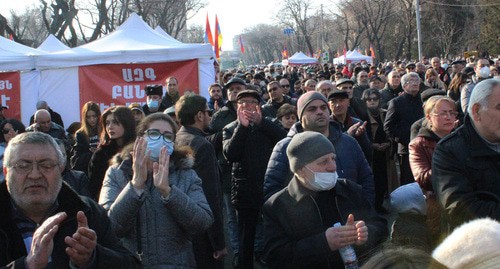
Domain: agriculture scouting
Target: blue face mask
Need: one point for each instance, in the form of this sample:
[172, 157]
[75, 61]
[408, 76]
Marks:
[155, 146]
[153, 105]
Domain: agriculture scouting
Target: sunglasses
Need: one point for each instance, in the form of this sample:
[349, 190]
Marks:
[6, 131]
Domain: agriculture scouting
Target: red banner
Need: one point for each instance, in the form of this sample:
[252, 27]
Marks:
[10, 94]
[122, 84]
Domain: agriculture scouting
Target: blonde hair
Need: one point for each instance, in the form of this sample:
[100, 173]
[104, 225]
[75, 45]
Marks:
[432, 102]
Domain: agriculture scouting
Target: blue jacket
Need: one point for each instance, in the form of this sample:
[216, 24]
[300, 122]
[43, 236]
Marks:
[350, 160]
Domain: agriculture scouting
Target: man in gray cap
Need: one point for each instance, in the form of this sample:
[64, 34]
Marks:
[314, 115]
[298, 219]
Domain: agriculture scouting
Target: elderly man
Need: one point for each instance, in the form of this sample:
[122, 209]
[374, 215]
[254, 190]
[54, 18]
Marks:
[45, 224]
[298, 219]
[324, 87]
[357, 108]
[153, 99]
[362, 83]
[466, 164]
[313, 112]
[310, 85]
[402, 112]
[376, 82]
[43, 123]
[53, 115]
[392, 89]
[443, 75]
[172, 95]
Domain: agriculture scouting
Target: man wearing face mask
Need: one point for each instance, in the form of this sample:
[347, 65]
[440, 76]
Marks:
[482, 72]
[298, 219]
[194, 115]
[153, 99]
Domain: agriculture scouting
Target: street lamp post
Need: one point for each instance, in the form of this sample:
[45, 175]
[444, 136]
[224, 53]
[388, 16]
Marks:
[419, 33]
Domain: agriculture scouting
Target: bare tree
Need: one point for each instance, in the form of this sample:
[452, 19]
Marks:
[295, 12]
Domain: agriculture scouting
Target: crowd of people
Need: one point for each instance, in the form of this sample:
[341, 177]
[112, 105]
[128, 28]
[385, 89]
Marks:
[288, 166]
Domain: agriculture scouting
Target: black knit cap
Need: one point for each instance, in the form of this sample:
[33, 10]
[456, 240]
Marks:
[154, 90]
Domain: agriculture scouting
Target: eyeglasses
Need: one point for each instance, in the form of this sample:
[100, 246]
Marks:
[25, 167]
[154, 134]
[413, 82]
[210, 112]
[6, 131]
[372, 99]
[249, 102]
[444, 114]
[346, 88]
[285, 86]
[273, 89]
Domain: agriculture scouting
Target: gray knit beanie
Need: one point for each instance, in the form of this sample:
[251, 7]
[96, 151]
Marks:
[307, 98]
[306, 147]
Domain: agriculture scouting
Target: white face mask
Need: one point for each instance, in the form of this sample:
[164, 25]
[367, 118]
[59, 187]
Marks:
[484, 72]
[323, 181]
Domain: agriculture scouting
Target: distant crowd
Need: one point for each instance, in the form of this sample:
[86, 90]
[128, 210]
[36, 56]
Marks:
[282, 167]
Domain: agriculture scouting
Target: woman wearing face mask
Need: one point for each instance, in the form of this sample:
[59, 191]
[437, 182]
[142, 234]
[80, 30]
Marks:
[87, 137]
[154, 197]
[298, 219]
[117, 131]
[10, 128]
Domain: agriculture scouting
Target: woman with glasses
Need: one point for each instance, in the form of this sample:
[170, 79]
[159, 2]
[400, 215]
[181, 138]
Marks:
[10, 128]
[441, 114]
[87, 137]
[154, 197]
[117, 130]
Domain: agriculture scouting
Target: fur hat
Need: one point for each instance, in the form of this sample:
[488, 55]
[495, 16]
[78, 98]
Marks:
[473, 245]
[307, 98]
[154, 90]
[306, 147]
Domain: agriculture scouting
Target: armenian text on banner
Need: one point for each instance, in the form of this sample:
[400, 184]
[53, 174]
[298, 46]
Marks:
[10, 94]
[122, 84]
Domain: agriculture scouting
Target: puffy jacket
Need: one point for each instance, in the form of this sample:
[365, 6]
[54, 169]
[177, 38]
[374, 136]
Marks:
[350, 160]
[166, 225]
[465, 176]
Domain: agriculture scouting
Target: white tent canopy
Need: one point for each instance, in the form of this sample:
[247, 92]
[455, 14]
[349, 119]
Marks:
[14, 56]
[134, 41]
[52, 44]
[352, 57]
[162, 32]
[300, 58]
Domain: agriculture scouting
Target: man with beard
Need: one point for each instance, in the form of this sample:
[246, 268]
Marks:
[313, 112]
[194, 115]
[172, 95]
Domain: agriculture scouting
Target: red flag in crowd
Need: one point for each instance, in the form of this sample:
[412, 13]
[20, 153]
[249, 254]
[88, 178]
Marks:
[242, 49]
[372, 51]
[284, 53]
[208, 33]
[218, 38]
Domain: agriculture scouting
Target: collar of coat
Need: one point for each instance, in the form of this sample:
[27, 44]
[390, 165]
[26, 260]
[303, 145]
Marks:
[297, 191]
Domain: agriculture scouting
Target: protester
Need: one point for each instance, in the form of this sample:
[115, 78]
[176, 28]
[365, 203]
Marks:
[216, 100]
[481, 72]
[155, 198]
[10, 129]
[87, 137]
[195, 116]
[137, 112]
[299, 218]
[45, 224]
[465, 163]
[77, 180]
[44, 123]
[172, 95]
[314, 115]
[287, 116]
[53, 115]
[154, 102]
[248, 143]
[117, 130]
[402, 112]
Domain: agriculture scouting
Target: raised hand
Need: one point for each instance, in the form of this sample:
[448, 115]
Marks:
[83, 242]
[43, 242]
[242, 116]
[140, 158]
[160, 173]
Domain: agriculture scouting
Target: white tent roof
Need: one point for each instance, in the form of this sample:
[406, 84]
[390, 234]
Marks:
[162, 32]
[52, 44]
[133, 42]
[352, 57]
[301, 58]
[14, 56]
